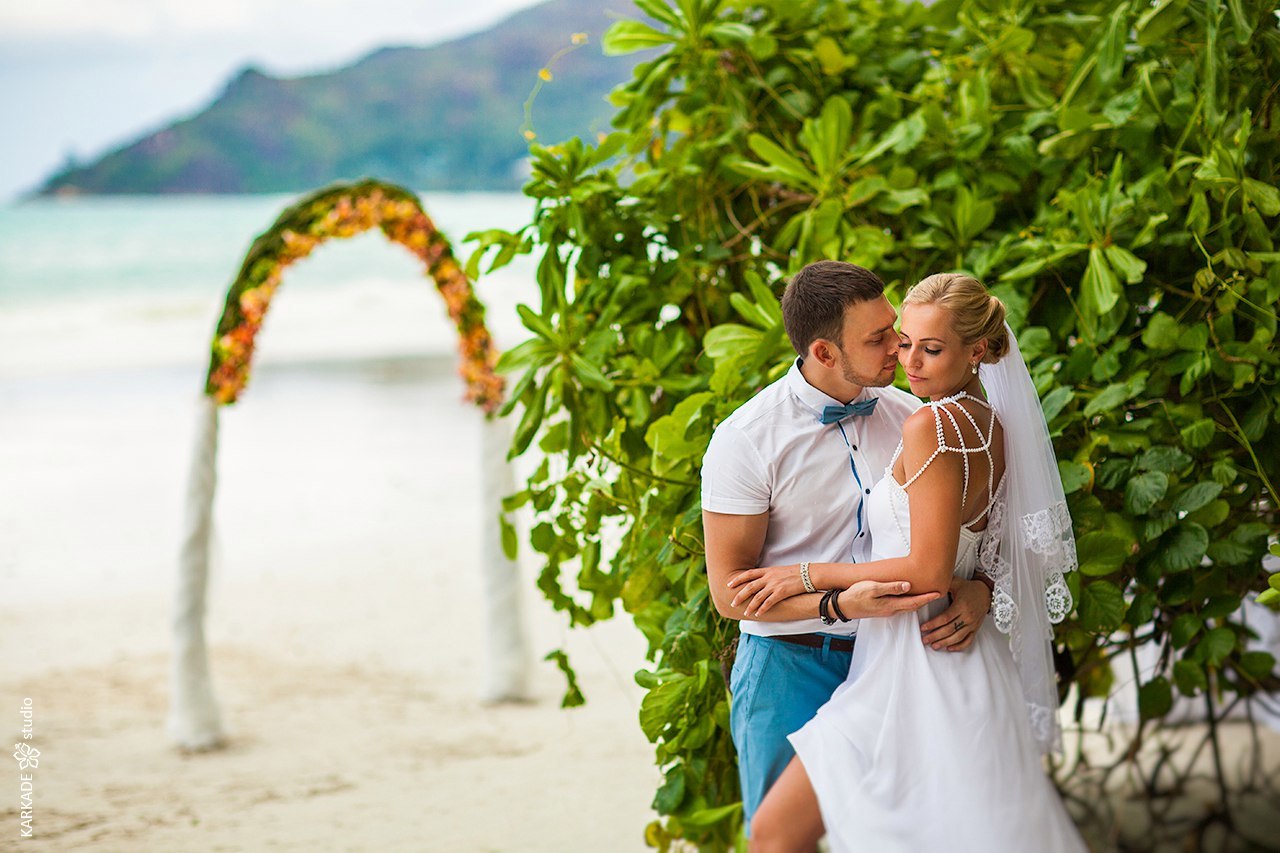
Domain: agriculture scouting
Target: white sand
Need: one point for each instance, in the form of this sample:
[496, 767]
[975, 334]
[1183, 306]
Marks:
[345, 641]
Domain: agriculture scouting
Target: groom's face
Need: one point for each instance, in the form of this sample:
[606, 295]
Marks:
[868, 352]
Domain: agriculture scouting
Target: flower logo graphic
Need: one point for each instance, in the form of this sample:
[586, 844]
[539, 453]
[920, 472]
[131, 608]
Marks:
[26, 755]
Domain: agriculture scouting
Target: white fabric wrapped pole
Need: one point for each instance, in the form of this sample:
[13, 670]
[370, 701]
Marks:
[193, 711]
[507, 678]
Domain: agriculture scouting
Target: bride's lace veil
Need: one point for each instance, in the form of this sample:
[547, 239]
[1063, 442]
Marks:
[1029, 543]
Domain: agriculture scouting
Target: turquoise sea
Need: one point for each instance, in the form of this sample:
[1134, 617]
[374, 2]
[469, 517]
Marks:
[58, 248]
[95, 283]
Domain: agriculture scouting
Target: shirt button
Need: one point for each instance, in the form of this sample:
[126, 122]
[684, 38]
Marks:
[860, 535]
[868, 491]
[855, 447]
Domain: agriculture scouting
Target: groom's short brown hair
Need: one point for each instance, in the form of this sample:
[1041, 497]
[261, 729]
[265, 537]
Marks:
[814, 302]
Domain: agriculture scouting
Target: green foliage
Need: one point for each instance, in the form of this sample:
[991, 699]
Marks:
[1271, 595]
[1109, 168]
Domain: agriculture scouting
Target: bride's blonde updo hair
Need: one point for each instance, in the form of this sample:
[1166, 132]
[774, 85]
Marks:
[975, 314]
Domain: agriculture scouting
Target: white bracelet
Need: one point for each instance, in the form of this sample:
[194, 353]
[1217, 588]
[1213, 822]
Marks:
[804, 578]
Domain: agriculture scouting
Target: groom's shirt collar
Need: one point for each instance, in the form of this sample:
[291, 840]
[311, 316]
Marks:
[811, 398]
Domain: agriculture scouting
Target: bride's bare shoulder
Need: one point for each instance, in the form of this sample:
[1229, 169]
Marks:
[920, 424]
[923, 432]
[928, 428]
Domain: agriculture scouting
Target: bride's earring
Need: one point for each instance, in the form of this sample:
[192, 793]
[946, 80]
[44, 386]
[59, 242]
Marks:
[975, 368]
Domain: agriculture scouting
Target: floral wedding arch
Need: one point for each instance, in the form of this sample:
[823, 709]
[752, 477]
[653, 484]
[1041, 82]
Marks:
[337, 211]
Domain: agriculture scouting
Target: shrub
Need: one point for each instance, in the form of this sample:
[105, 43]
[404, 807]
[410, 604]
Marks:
[1109, 168]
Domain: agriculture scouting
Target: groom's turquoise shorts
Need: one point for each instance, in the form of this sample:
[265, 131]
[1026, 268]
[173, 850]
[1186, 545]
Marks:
[777, 687]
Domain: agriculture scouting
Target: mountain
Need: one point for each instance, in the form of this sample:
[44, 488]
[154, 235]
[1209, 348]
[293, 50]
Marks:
[445, 117]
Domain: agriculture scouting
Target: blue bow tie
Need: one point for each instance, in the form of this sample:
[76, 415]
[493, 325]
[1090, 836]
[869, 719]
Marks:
[832, 414]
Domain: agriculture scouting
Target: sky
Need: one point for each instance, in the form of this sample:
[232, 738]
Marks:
[80, 77]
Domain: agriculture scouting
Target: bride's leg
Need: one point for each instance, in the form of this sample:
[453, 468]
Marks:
[788, 820]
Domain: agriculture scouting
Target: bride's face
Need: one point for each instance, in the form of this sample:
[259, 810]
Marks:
[936, 361]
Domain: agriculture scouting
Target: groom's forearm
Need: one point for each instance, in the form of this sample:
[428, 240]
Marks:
[844, 575]
[793, 609]
[734, 543]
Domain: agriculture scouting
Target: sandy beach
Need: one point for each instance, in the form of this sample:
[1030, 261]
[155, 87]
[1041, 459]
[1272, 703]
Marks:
[345, 623]
[346, 644]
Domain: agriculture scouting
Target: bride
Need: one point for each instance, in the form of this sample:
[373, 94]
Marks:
[941, 750]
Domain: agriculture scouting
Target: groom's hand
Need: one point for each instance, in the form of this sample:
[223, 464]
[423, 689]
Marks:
[872, 599]
[955, 629]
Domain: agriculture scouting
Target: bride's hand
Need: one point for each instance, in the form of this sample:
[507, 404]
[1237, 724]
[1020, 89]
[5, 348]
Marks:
[759, 589]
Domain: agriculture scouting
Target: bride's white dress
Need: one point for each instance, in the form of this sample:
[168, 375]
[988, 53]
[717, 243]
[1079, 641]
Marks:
[930, 750]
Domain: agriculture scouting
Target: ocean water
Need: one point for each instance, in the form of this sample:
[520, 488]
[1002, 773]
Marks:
[53, 248]
[98, 283]
[351, 435]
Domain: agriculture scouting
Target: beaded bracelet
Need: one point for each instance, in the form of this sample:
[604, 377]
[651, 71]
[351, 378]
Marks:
[804, 578]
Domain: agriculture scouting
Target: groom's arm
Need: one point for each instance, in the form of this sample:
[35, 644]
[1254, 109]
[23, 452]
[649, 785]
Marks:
[734, 543]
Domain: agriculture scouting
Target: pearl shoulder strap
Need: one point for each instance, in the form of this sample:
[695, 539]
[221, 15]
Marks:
[943, 407]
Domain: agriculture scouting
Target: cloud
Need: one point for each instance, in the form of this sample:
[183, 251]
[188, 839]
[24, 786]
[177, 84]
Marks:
[334, 20]
[125, 19]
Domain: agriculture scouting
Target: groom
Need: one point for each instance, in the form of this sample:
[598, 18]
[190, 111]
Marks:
[784, 481]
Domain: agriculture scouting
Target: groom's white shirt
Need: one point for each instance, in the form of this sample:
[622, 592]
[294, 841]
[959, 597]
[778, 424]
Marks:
[774, 454]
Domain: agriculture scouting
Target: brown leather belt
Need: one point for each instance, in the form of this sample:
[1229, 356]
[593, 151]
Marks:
[816, 641]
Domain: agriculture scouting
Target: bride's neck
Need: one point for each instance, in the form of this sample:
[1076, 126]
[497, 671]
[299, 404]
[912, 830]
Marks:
[970, 386]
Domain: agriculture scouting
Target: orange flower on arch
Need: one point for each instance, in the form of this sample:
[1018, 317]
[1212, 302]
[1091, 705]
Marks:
[338, 211]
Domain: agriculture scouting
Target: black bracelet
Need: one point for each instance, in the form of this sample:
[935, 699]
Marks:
[835, 604]
[823, 613]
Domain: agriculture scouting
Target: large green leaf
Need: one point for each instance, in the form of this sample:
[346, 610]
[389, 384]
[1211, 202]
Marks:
[1114, 395]
[1101, 553]
[731, 340]
[668, 797]
[1199, 433]
[1074, 475]
[1186, 549]
[1162, 332]
[1159, 19]
[827, 139]
[1099, 287]
[1155, 698]
[629, 36]
[1196, 496]
[1257, 664]
[784, 161]
[672, 437]
[1184, 628]
[1144, 491]
[1127, 265]
[1101, 606]
[1055, 401]
[1216, 645]
[1169, 460]
[1190, 677]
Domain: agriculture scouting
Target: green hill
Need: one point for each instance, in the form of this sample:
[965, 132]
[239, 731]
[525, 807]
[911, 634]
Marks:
[444, 117]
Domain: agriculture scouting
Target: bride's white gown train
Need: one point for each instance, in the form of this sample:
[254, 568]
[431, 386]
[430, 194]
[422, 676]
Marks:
[930, 750]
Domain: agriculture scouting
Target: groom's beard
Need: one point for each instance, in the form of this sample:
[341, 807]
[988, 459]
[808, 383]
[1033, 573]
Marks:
[853, 377]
